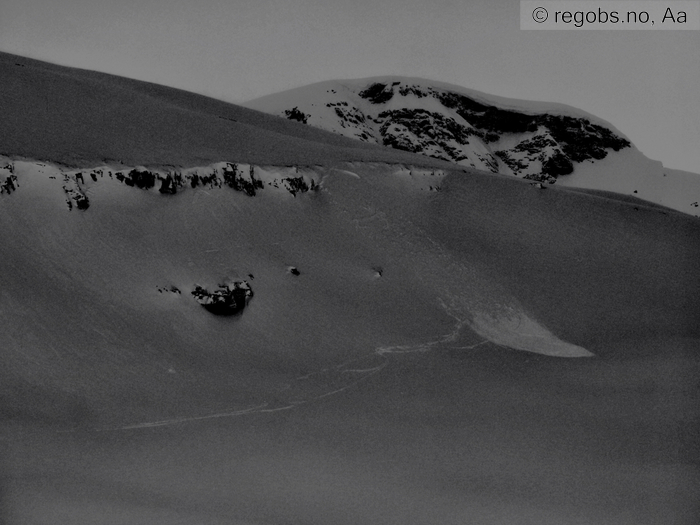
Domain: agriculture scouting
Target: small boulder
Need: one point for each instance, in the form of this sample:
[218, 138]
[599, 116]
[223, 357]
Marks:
[227, 299]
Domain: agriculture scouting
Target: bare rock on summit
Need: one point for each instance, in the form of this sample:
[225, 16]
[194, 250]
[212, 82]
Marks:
[452, 124]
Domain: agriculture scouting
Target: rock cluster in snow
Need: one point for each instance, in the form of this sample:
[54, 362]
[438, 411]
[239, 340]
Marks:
[295, 114]
[227, 299]
[247, 179]
[169, 289]
[75, 195]
[9, 184]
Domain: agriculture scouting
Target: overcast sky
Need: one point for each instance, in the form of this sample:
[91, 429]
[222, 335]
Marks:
[646, 83]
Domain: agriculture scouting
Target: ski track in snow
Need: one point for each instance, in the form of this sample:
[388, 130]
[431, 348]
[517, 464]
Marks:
[495, 321]
[494, 317]
[329, 381]
[490, 314]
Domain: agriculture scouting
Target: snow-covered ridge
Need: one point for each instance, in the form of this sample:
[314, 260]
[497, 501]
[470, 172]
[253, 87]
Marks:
[134, 122]
[248, 179]
[545, 142]
[533, 140]
[628, 173]
[48, 186]
[245, 178]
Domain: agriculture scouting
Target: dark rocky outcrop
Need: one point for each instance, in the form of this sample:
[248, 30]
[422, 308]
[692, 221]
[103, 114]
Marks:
[235, 180]
[540, 177]
[296, 114]
[377, 93]
[168, 185]
[169, 289]
[428, 129]
[227, 299]
[579, 138]
[75, 196]
[141, 179]
[9, 185]
[296, 185]
[557, 164]
[550, 146]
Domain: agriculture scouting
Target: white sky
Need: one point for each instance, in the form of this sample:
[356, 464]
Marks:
[646, 83]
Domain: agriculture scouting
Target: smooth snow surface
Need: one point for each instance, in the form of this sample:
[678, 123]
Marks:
[632, 174]
[84, 118]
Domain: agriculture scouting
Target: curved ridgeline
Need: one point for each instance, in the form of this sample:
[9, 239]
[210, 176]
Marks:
[83, 118]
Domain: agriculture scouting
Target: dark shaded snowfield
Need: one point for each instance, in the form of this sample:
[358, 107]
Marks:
[389, 382]
[77, 117]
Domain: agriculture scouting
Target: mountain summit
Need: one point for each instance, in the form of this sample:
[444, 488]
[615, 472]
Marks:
[451, 124]
[545, 142]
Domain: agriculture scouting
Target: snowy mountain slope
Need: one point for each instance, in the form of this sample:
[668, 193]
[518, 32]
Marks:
[534, 140]
[450, 123]
[631, 173]
[85, 118]
[398, 359]
[400, 323]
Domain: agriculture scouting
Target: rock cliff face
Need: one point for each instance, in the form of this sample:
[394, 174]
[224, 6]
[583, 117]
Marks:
[8, 179]
[446, 124]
